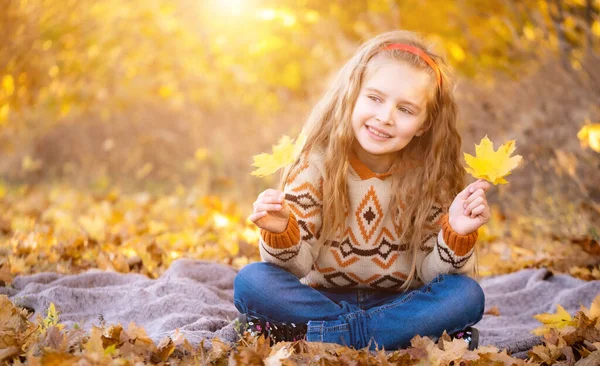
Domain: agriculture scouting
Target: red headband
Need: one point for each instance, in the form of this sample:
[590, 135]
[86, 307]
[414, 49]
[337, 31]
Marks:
[419, 52]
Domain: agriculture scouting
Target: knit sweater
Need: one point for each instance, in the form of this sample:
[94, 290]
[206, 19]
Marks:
[368, 253]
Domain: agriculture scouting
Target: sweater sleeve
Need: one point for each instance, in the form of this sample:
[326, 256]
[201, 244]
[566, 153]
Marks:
[295, 249]
[445, 251]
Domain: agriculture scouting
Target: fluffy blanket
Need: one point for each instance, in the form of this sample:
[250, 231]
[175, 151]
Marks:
[197, 298]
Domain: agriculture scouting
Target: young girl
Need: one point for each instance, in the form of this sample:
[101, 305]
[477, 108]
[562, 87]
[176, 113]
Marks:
[370, 240]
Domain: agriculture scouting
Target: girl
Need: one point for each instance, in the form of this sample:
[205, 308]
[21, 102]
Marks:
[370, 240]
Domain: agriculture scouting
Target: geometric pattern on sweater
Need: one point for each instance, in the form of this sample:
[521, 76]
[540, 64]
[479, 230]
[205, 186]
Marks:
[308, 228]
[350, 250]
[348, 246]
[302, 166]
[336, 278]
[283, 256]
[369, 215]
[446, 256]
[368, 252]
[376, 281]
[434, 218]
[307, 200]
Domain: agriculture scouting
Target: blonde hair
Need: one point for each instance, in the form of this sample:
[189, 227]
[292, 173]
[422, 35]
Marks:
[436, 176]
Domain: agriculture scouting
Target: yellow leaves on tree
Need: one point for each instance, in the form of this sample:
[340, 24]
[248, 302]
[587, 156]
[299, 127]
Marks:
[283, 154]
[492, 165]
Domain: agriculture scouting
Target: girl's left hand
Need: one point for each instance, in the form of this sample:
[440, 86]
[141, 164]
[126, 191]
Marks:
[470, 209]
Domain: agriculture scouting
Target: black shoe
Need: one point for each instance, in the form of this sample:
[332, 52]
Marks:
[275, 331]
[469, 335]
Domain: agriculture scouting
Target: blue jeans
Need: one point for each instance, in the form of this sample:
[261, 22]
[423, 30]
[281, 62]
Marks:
[359, 318]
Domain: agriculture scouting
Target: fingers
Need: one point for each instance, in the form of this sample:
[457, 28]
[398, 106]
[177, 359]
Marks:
[271, 193]
[478, 193]
[267, 207]
[478, 210]
[475, 195]
[268, 200]
[270, 196]
[479, 184]
[477, 203]
[257, 216]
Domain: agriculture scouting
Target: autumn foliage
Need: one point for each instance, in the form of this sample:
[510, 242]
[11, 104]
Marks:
[566, 339]
[127, 131]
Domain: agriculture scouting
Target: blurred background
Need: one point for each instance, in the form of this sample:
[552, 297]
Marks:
[135, 122]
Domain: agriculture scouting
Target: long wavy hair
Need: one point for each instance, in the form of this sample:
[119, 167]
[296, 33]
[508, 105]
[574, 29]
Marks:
[427, 172]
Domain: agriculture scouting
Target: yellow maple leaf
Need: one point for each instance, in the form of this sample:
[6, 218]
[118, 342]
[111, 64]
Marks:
[492, 165]
[594, 311]
[284, 153]
[558, 320]
[595, 308]
[51, 320]
[589, 135]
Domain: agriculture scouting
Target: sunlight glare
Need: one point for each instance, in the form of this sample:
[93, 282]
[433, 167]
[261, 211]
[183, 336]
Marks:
[220, 221]
[231, 7]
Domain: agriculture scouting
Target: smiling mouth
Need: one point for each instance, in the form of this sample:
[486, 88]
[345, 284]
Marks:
[377, 133]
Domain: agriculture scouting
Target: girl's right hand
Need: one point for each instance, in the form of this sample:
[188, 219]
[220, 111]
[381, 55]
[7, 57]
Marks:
[271, 212]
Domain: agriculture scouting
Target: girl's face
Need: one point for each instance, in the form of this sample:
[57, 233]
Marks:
[389, 111]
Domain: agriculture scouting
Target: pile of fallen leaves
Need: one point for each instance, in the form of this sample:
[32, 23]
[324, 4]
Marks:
[60, 229]
[567, 341]
[64, 230]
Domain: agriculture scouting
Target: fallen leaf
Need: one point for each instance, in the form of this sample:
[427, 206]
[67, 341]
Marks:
[454, 350]
[165, 349]
[493, 311]
[60, 359]
[276, 356]
[111, 335]
[51, 319]
[558, 320]
[9, 352]
[219, 349]
[594, 312]
[15, 329]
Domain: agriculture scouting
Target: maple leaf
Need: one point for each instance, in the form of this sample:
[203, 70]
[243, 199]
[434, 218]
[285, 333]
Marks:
[284, 153]
[219, 349]
[165, 348]
[111, 335]
[594, 311]
[492, 165]
[560, 319]
[51, 320]
[454, 349]
[9, 352]
[55, 358]
[493, 311]
[277, 355]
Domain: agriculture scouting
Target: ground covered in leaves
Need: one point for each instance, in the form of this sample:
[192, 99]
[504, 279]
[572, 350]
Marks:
[59, 229]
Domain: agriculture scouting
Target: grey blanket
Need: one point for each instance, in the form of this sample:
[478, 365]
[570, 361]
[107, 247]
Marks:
[197, 298]
[521, 295]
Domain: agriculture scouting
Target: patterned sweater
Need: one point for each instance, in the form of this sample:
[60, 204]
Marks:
[368, 253]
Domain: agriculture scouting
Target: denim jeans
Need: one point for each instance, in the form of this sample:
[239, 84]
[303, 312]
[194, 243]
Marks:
[359, 318]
